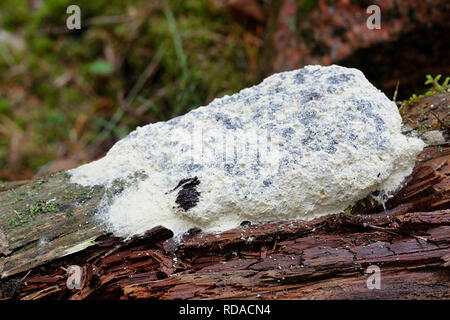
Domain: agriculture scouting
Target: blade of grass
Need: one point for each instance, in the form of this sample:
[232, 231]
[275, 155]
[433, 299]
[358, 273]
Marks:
[148, 72]
[151, 106]
[176, 39]
[187, 81]
[117, 116]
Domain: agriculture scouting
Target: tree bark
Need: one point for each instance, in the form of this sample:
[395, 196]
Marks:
[50, 224]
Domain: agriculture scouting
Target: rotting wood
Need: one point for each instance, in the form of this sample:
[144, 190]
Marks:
[321, 259]
[45, 220]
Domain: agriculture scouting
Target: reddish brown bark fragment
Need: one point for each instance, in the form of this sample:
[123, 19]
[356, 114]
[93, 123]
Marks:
[325, 258]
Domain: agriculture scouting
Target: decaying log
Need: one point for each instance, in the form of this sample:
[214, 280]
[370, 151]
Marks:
[50, 224]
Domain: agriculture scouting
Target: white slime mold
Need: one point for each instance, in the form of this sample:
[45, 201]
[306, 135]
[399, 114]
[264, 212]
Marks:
[299, 145]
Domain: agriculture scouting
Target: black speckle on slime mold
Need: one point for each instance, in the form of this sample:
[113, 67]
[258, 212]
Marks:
[188, 196]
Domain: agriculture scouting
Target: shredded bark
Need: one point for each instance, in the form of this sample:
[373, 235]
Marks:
[325, 258]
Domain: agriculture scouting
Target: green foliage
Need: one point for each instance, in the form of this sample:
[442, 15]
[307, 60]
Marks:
[5, 106]
[100, 67]
[42, 207]
[18, 217]
[435, 88]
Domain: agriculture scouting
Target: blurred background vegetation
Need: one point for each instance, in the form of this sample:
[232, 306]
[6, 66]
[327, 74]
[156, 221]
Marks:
[64, 93]
[67, 95]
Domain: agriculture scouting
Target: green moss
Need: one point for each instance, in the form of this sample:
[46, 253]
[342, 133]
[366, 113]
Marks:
[69, 212]
[28, 205]
[18, 217]
[42, 207]
[361, 206]
[18, 199]
[435, 88]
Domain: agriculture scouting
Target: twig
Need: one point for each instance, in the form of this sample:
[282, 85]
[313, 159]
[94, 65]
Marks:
[397, 232]
[388, 230]
[441, 165]
[24, 277]
[439, 120]
[396, 92]
[127, 108]
[148, 72]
